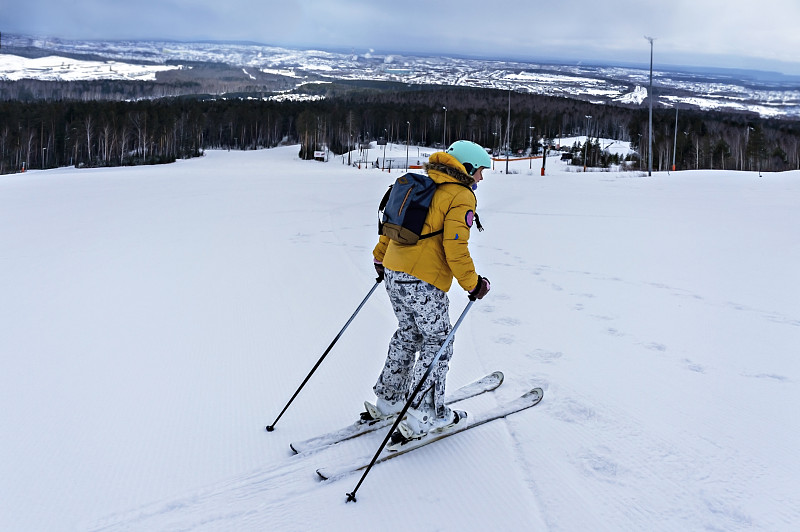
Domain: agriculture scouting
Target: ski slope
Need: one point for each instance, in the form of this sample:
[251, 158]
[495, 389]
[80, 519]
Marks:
[156, 318]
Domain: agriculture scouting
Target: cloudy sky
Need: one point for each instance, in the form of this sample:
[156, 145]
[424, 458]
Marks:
[716, 33]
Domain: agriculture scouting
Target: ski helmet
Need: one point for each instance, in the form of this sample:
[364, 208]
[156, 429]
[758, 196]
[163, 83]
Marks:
[471, 155]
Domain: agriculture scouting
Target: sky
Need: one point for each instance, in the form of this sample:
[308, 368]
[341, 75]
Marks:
[710, 33]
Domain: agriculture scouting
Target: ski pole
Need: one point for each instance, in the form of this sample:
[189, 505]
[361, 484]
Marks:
[271, 427]
[352, 495]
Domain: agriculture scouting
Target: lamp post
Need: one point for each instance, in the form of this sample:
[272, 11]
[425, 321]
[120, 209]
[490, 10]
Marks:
[349, 138]
[508, 131]
[408, 142]
[586, 144]
[640, 149]
[650, 98]
[386, 140]
[494, 148]
[530, 166]
[367, 143]
[675, 143]
[444, 130]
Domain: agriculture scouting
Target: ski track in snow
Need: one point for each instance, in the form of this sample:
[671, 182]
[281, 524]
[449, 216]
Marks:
[259, 500]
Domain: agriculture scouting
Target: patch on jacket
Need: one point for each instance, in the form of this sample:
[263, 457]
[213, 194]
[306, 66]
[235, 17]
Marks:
[469, 218]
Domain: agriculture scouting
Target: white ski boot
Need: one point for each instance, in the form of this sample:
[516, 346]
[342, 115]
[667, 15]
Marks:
[382, 409]
[418, 423]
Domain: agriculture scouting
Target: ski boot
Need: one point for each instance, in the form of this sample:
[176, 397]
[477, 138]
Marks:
[420, 423]
[382, 409]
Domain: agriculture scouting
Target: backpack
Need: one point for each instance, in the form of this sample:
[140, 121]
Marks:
[404, 207]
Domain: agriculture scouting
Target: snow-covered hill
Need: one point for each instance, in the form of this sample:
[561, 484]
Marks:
[155, 319]
[54, 68]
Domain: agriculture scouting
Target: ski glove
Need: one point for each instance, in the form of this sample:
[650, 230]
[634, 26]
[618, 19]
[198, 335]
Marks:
[380, 270]
[481, 289]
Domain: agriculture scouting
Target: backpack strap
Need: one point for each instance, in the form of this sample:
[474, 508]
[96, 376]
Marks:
[385, 201]
[439, 232]
[382, 207]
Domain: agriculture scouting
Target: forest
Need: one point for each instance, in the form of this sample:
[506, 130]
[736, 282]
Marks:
[46, 134]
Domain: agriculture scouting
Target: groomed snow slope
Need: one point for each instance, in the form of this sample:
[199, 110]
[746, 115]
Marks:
[155, 319]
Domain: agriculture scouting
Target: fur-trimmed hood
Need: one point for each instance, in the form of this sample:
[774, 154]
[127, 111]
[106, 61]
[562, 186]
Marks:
[443, 167]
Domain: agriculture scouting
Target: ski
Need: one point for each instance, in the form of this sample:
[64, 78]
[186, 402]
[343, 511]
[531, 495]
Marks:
[529, 399]
[359, 428]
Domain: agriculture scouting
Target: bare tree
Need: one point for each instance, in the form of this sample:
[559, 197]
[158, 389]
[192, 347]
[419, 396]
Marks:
[88, 126]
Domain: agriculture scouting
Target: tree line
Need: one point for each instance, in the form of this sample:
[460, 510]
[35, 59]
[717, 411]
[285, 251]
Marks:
[46, 134]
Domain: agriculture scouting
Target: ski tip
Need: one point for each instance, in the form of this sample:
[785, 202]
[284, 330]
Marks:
[322, 474]
[295, 451]
[499, 376]
[536, 393]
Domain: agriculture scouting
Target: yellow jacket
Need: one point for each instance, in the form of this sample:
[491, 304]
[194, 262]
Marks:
[436, 260]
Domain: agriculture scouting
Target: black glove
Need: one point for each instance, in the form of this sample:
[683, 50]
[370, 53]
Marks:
[481, 289]
[380, 270]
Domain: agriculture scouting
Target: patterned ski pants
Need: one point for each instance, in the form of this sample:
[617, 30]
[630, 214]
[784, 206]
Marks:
[423, 324]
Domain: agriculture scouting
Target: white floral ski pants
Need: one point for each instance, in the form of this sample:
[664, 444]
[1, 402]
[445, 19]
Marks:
[423, 325]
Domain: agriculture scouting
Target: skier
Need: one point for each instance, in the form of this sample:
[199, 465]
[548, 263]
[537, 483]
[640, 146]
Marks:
[417, 278]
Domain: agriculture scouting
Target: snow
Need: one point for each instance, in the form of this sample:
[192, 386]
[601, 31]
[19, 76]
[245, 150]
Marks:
[638, 95]
[156, 318]
[56, 68]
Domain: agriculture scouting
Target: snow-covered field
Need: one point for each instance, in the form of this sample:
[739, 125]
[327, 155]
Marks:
[155, 319]
[56, 68]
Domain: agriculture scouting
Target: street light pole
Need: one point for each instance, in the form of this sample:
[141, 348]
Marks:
[495, 147]
[408, 142]
[444, 132]
[508, 131]
[349, 138]
[383, 166]
[640, 149]
[650, 98]
[586, 144]
[675, 144]
[530, 159]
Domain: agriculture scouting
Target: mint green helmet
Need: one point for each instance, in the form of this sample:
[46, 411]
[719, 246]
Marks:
[471, 155]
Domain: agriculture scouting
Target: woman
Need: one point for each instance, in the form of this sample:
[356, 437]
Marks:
[417, 278]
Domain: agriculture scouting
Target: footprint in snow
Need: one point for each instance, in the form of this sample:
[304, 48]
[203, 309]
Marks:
[547, 357]
[693, 366]
[769, 376]
[511, 322]
[655, 346]
[506, 339]
[571, 411]
[599, 466]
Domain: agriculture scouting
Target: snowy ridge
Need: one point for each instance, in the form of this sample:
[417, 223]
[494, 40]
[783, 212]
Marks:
[156, 317]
